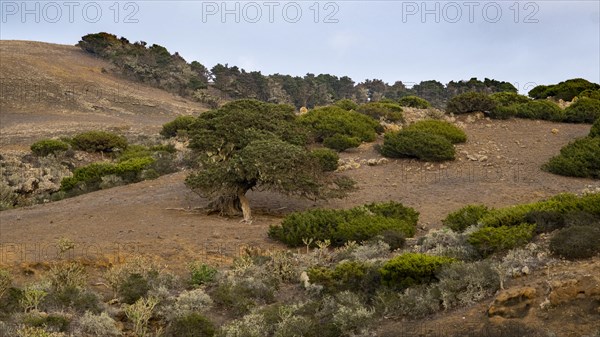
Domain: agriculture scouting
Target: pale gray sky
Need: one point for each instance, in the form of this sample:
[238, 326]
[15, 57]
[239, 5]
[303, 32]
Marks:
[522, 42]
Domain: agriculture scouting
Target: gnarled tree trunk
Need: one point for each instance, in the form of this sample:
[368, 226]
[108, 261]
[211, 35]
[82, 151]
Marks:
[233, 205]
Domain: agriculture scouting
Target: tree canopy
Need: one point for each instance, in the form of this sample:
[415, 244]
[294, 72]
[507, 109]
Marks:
[251, 145]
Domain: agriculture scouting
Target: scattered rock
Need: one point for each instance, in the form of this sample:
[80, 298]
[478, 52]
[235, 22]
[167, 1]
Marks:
[513, 303]
[563, 291]
[554, 131]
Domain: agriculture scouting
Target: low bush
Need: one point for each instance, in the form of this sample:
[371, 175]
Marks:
[543, 109]
[327, 158]
[346, 104]
[181, 123]
[508, 98]
[191, 325]
[503, 112]
[50, 322]
[589, 93]
[201, 273]
[388, 111]
[329, 121]
[470, 102]
[595, 130]
[412, 269]
[465, 217]
[44, 147]
[98, 325]
[490, 240]
[449, 131]
[243, 295]
[342, 226]
[341, 142]
[576, 242]
[566, 90]
[5, 281]
[584, 110]
[580, 158]
[417, 144]
[134, 287]
[99, 141]
[356, 276]
[414, 102]
[463, 284]
[545, 221]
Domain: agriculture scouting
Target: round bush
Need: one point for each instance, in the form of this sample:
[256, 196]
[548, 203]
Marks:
[99, 141]
[489, 240]
[543, 109]
[508, 98]
[411, 269]
[191, 325]
[465, 217]
[595, 94]
[181, 123]
[576, 242]
[329, 121]
[340, 142]
[503, 112]
[585, 110]
[389, 111]
[470, 102]
[566, 90]
[346, 104]
[417, 144]
[414, 102]
[45, 147]
[327, 158]
[580, 158]
[449, 131]
[595, 130]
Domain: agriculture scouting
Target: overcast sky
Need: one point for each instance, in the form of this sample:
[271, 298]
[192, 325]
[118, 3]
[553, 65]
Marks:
[525, 42]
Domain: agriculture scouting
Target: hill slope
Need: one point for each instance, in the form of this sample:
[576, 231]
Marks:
[49, 89]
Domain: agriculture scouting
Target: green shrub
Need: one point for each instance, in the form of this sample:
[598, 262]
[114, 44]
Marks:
[449, 131]
[508, 98]
[589, 93]
[584, 110]
[73, 298]
[470, 102]
[328, 159]
[465, 217]
[566, 90]
[181, 123]
[414, 102]
[346, 104]
[417, 144]
[411, 269]
[357, 276]
[394, 238]
[389, 111]
[191, 325]
[201, 273]
[99, 141]
[576, 242]
[545, 221]
[503, 112]
[543, 109]
[329, 121]
[341, 226]
[134, 287]
[243, 295]
[44, 147]
[341, 142]
[489, 240]
[50, 322]
[580, 158]
[595, 130]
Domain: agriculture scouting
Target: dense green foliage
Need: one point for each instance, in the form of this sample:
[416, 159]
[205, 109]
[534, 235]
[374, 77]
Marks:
[341, 142]
[388, 111]
[564, 90]
[489, 240]
[449, 131]
[190, 325]
[411, 269]
[577, 242]
[414, 102]
[44, 147]
[346, 104]
[357, 276]
[99, 141]
[341, 226]
[417, 144]
[90, 176]
[589, 93]
[542, 109]
[465, 217]
[330, 121]
[595, 130]
[178, 125]
[470, 102]
[584, 110]
[580, 158]
[508, 98]
[327, 158]
[248, 144]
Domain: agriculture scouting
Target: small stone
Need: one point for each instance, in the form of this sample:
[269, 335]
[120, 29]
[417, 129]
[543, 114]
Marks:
[555, 131]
